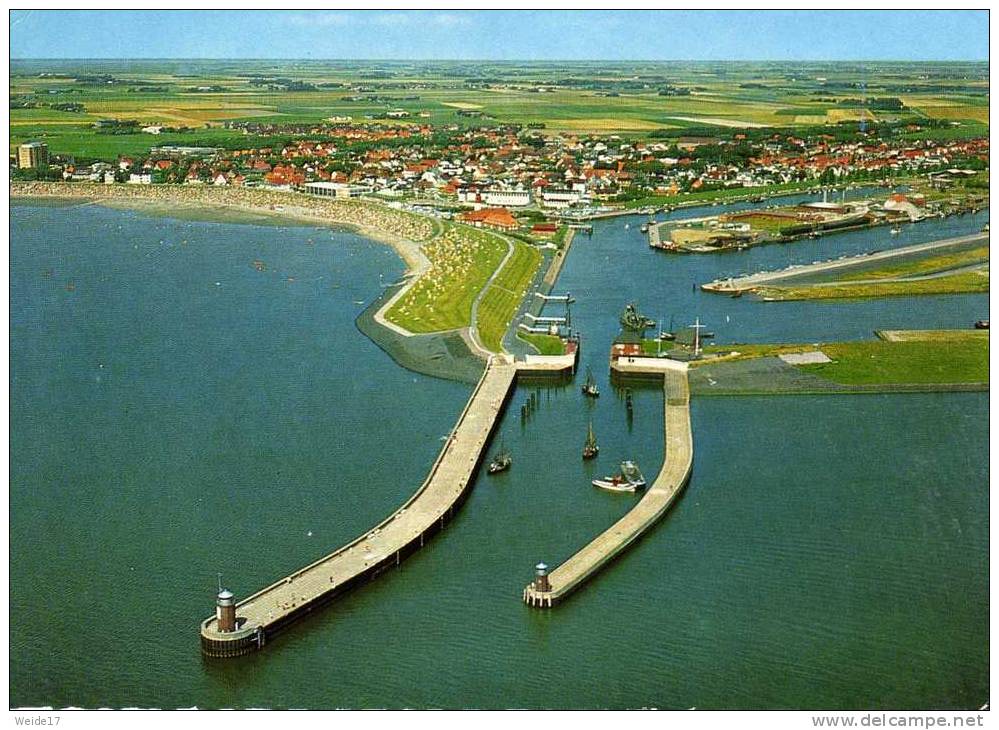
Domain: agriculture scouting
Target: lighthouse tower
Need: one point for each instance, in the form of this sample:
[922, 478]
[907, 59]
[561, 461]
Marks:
[541, 582]
[225, 609]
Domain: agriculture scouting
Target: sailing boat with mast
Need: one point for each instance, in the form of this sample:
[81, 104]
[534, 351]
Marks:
[590, 386]
[590, 448]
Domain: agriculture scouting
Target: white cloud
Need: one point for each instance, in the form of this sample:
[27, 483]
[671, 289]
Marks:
[322, 20]
[379, 19]
[451, 20]
[391, 19]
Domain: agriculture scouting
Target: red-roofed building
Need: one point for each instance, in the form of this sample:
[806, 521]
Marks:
[500, 218]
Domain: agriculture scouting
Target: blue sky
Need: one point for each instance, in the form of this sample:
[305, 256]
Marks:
[503, 34]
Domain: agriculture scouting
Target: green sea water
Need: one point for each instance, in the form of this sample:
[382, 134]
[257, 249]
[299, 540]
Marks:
[177, 412]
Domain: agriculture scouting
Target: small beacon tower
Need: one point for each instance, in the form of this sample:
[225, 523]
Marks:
[538, 593]
[541, 582]
[225, 610]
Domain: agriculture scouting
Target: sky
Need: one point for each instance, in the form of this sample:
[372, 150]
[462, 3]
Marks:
[958, 35]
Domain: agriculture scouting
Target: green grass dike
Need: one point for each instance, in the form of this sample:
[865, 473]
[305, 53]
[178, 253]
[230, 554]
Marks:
[544, 344]
[914, 359]
[461, 261]
[504, 295]
[958, 272]
[957, 360]
[962, 282]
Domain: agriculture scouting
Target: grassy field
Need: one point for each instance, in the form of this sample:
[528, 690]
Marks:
[461, 261]
[501, 300]
[965, 282]
[544, 344]
[928, 361]
[654, 346]
[917, 357]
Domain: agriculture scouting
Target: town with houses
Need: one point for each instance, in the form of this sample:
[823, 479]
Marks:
[487, 175]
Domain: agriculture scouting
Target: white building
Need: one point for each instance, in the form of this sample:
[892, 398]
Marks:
[507, 198]
[336, 190]
[144, 178]
[561, 198]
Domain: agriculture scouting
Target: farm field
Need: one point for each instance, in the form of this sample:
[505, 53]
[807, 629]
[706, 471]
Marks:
[630, 99]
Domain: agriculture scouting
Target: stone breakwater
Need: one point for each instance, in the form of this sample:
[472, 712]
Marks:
[400, 229]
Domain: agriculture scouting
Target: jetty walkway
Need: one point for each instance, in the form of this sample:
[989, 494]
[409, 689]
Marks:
[267, 611]
[550, 589]
[654, 240]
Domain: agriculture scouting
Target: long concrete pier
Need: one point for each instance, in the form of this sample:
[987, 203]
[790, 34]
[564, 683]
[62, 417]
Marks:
[260, 616]
[548, 590]
[747, 283]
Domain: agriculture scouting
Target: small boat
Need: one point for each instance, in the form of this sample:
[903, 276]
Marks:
[632, 320]
[895, 231]
[590, 448]
[590, 386]
[645, 228]
[501, 461]
[985, 228]
[628, 479]
[982, 324]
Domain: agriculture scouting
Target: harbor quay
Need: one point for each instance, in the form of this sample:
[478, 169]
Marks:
[549, 588]
[239, 628]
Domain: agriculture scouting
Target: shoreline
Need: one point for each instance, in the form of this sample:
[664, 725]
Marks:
[435, 354]
[166, 200]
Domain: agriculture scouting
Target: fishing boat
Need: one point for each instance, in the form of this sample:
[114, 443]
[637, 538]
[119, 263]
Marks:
[501, 461]
[895, 231]
[628, 479]
[590, 386]
[590, 448]
[632, 320]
